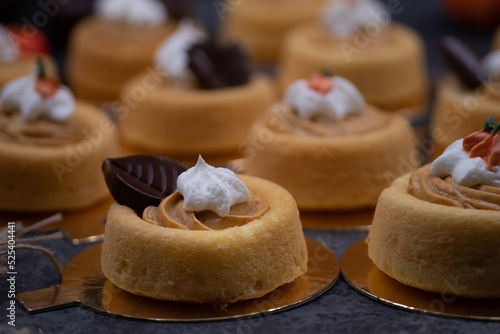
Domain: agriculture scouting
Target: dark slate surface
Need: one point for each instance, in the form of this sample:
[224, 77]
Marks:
[341, 309]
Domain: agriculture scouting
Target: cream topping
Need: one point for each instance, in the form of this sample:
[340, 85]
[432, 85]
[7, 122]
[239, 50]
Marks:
[465, 171]
[491, 64]
[132, 12]
[172, 57]
[20, 94]
[205, 187]
[343, 18]
[8, 48]
[341, 100]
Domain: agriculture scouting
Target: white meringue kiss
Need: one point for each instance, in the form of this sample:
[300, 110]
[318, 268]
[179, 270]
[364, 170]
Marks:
[21, 94]
[465, 171]
[172, 57]
[8, 48]
[208, 188]
[133, 12]
[344, 99]
[342, 18]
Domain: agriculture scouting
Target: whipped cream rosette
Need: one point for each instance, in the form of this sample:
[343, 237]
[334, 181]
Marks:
[333, 97]
[491, 64]
[172, 55]
[474, 159]
[36, 95]
[344, 18]
[208, 188]
[133, 12]
[8, 48]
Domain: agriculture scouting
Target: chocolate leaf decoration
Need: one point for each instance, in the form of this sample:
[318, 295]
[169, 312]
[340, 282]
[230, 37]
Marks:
[463, 62]
[218, 66]
[139, 181]
[178, 9]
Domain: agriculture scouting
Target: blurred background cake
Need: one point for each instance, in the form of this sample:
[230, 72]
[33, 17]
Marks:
[467, 95]
[51, 146]
[328, 147]
[203, 99]
[261, 25]
[114, 44]
[359, 41]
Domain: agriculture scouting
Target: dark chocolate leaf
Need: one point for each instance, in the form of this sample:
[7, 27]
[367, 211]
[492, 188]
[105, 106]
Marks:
[218, 66]
[139, 181]
[178, 9]
[463, 62]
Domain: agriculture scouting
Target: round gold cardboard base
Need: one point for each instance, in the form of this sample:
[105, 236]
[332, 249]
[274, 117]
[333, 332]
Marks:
[80, 226]
[360, 272]
[358, 220]
[83, 283]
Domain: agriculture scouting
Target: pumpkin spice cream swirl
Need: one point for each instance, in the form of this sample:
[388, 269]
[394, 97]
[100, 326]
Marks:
[188, 208]
[467, 175]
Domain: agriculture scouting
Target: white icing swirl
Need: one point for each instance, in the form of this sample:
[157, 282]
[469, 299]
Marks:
[208, 188]
[343, 17]
[465, 171]
[8, 48]
[343, 99]
[133, 12]
[172, 57]
[491, 64]
[21, 94]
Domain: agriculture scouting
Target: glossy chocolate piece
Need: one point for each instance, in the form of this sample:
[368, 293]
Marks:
[139, 181]
[178, 9]
[463, 62]
[218, 66]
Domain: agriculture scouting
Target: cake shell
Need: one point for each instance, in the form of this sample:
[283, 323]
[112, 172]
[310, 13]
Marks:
[390, 76]
[103, 55]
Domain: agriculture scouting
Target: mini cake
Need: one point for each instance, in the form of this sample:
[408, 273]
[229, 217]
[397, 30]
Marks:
[328, 148]
[357, 41]
[465, 97]
[261, 25]
[438, 229]
[14, 62]
[204, 99]
[51, 147]
[218, 239]
[113, 45]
